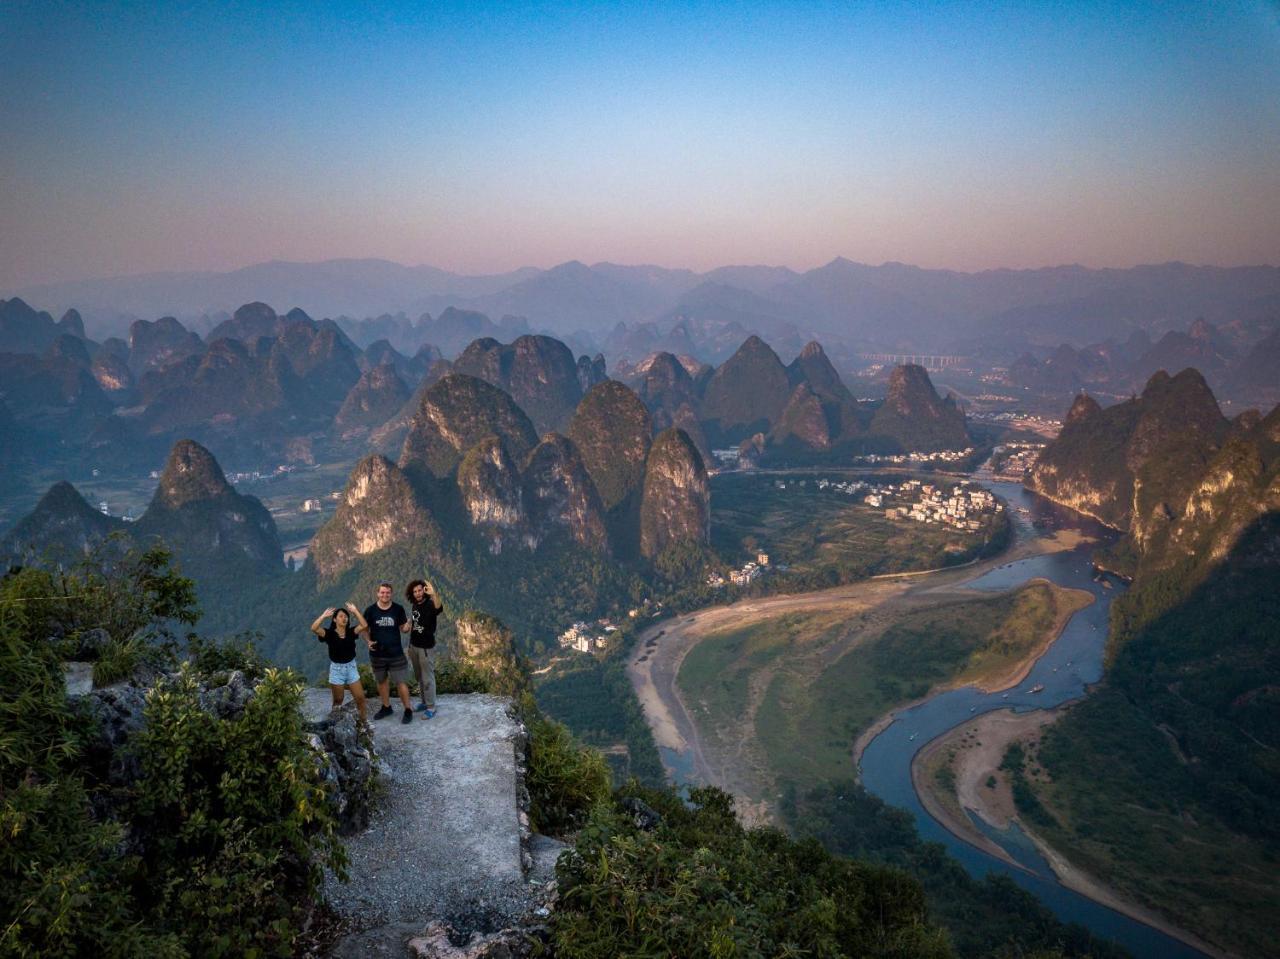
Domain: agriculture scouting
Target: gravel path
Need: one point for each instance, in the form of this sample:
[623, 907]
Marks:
[445, 840]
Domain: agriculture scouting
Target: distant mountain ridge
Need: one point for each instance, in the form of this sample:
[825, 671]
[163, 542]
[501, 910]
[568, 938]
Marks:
[892, 304]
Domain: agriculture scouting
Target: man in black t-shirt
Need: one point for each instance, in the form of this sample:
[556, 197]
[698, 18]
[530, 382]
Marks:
[424, 610]
[384, 622]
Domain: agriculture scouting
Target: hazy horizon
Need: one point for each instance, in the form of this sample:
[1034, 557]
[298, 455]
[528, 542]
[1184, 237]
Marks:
[479, 139]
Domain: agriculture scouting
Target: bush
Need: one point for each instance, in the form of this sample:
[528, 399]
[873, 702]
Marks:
[456, 676]
[699, 884]
[118, 660]
[209, 656]
[237, 828]
[565, 778]
[63, 880]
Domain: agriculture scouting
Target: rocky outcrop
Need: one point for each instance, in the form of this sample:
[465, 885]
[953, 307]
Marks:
[62, 528]
[1132, 465]
[24, 329]
[663, 383]
[112, 374]
[746, 394]
[538, 372]
[377, 396]
[198, 513]
[491, 494]
[915, 418]
[591, 370]
[803, 424]
[676, 504]
[813, 368]
[344, 751]
[560, 497]
[454, 415]
[153, 345]
[248, 323]
[378, 508]
[485, 643]
[613, 432]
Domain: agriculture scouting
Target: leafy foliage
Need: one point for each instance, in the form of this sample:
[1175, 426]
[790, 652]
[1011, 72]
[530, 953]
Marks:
[218, 845]
[237, 829]
[701, 885]
[985, 917]
[565, 779]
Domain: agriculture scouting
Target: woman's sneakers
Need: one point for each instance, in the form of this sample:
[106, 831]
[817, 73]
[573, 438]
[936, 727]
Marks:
[407, 717]
[382, 713]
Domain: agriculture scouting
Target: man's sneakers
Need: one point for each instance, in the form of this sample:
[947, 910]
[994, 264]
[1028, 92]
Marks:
[382, 713]
[430, 713]
[407, 717]
[422, 708]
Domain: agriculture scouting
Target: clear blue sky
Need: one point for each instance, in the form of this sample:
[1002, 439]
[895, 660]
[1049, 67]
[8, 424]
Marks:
[156, 136]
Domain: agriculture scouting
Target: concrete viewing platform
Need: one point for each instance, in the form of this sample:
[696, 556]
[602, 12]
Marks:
[448, 837]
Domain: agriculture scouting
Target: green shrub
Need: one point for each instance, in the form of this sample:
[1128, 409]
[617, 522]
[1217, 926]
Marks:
[118, 661]
[240, 652]
[457, 676]
[238, 832]
[699, 884]
[565, 778]
[63, 882]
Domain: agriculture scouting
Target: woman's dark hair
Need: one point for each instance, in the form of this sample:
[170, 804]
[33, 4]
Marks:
[413, 583]
[333, 620]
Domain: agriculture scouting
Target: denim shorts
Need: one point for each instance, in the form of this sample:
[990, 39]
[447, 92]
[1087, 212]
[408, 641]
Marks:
[343, 674]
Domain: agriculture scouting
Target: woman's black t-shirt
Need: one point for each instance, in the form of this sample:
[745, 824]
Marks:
[342, 649]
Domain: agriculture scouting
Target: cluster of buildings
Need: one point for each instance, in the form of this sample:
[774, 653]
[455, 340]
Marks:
[942, 456]
[588, 637]
[1014, 460]
[962, 507]
[744, 576]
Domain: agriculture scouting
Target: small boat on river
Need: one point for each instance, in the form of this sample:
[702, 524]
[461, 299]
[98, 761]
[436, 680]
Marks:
[1038, 688]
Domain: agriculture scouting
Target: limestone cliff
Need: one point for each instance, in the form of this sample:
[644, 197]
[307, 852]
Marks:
[491, 495]
[676, 504]
[198, 513]
[914, 418]
[559, 496]
[378, 508]
[803, 423]
[813, 368]
[377, 396]
[538, 372]
[62, 528]
[486, 644]
[454, 414]
[1131, 465]
[746, 394]
[613, 432]
[591, 370]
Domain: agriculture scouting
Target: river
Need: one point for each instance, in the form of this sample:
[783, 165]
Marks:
[1066, 670]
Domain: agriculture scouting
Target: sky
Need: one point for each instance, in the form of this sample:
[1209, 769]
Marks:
[143, 137]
